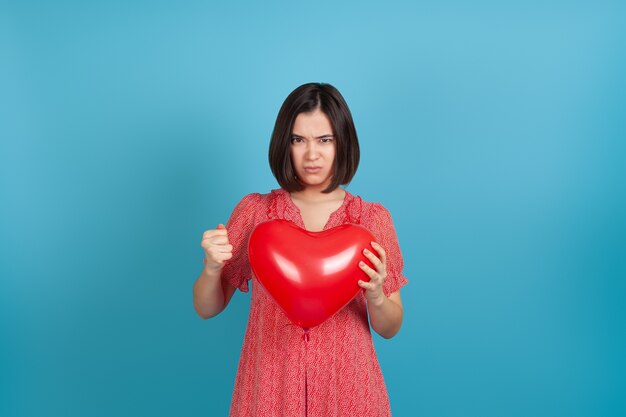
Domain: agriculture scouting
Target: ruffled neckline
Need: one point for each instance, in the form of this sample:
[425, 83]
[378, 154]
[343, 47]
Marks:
[283, 207]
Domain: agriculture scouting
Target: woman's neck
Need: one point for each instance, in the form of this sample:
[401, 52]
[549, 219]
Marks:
[315, 195]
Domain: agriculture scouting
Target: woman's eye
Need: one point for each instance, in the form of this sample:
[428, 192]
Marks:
[323, 140]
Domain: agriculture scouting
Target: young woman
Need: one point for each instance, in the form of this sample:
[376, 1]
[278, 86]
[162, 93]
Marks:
[333, 371]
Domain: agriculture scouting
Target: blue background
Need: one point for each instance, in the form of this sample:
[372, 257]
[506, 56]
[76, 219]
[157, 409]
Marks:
[493, 133]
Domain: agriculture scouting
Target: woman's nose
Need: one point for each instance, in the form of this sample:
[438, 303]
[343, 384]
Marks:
[311, 151]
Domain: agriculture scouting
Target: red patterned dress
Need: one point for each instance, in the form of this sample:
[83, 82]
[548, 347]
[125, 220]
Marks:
[333, 373]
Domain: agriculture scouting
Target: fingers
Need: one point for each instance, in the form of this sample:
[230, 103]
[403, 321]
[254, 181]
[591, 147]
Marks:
[219, 244]
[379, 264]
[366, 285]
[216, 240]
[216, 245]
[369, 271]
[221, 256]
[217, 236]
[217, 254]
[222, 248]
[214, 232]
[376, 278]
[375, 261]
[381, 252]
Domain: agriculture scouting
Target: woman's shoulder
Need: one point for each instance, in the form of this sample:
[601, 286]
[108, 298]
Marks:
[372, 209]
[256, 197]
[365, 212]
[250, 203]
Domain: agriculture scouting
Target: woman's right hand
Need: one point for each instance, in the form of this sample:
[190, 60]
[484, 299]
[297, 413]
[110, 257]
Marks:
[216, 247]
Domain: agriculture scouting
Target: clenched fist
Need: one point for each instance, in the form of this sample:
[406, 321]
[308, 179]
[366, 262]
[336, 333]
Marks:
[216, 247]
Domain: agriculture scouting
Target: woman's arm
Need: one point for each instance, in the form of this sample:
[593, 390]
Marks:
[210, 298]
[386, 314]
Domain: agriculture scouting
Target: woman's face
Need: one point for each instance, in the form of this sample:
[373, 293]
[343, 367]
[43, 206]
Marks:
[313, 145]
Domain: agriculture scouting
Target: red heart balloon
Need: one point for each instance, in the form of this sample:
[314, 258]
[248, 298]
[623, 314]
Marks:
[311, 275]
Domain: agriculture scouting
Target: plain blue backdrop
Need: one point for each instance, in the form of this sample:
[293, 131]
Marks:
[494, 134]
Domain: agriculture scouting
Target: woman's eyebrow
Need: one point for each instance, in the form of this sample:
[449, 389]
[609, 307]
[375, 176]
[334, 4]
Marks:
[295, 135]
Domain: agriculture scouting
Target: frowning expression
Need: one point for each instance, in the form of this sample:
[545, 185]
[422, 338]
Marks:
[313, 148]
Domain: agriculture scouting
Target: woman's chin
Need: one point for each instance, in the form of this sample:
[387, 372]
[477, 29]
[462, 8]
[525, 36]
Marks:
[313, 183]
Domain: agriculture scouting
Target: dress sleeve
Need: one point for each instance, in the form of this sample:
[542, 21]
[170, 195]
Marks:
[381, 226]
[237, 270]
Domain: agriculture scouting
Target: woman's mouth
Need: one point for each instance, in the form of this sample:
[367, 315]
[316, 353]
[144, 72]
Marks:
[313, 170]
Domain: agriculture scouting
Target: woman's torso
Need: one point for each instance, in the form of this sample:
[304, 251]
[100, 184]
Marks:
[333, 372]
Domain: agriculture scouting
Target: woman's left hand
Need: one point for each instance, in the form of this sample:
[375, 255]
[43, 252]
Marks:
[374, 288]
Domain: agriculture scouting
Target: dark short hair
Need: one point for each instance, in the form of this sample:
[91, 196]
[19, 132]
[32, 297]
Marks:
[305, 99]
